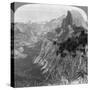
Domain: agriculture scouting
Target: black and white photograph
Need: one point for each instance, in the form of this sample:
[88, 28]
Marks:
[49, 44]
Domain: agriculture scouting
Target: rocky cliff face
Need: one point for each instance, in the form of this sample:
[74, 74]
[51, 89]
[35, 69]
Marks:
[68, 49]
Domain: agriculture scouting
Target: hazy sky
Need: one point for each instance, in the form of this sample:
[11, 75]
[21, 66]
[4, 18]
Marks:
[42, 12]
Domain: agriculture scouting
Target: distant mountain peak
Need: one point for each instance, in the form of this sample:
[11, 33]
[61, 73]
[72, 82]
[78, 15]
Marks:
[68, 20]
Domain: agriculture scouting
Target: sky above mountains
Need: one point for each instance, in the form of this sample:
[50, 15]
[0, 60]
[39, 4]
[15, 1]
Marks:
[43, 12]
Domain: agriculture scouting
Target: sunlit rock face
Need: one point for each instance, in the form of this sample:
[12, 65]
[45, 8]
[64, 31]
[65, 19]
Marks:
[78, 20]
[55, 50]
